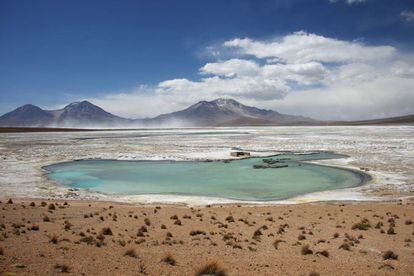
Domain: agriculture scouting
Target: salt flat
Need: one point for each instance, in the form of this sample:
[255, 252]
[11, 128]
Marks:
[387, 151]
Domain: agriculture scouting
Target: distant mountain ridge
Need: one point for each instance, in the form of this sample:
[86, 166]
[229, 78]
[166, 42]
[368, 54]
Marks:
[225, 111]
[219, 112]
[73, 115]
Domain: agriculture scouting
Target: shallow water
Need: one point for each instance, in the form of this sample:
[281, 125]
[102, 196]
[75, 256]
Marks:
[234, 180]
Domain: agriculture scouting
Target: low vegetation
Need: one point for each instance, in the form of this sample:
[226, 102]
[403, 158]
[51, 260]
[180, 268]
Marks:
[168, 259]
[364, 225]
[306, 250]
[324, 253]
[53, 239]
[389, 255]
[131, 253]
[106, 231]
[345, 246]
[62, 268]
[197, 232]
[212, 269]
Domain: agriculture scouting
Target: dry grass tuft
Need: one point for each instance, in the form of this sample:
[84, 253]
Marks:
[131, 253]
[391, 231]
[54, 239]
[345, 246]
[306, 250]
[197, 232]
[106, 231]
[301, 237]
[212, 269]
[324, 253]
[168, 259]
[364, 225]
[62, 268]
[34, 227]
[389, 255]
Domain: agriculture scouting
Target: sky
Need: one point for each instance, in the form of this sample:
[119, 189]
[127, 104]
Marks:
[327, 59]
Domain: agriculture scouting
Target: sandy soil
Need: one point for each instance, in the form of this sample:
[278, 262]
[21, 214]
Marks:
[243, 240]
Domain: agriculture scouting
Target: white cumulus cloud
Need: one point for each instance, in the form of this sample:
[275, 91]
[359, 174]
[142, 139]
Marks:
[299, 73]
[305, 47]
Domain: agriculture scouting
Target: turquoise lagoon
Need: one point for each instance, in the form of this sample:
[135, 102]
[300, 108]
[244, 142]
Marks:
[232, 180]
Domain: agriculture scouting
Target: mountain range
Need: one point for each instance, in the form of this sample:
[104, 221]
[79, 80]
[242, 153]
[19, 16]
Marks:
[219, 112]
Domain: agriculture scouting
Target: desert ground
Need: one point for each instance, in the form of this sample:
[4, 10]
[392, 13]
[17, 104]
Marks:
[101, 238]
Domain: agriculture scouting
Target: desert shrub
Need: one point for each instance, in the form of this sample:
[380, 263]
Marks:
[301, 237]
[389, 255]
[53, 239]
[212, 269]
[88, 240]
[306, 250]
[62, 268]
[51, 206]
[364, 225]
[324, 253]
[34, 228]
[391, 231]
[131, 253]
[345, 246]
[106, 231]
[168, 259]
[197, 232]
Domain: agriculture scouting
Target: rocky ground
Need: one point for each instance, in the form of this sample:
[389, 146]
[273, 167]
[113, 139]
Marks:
[101, 238]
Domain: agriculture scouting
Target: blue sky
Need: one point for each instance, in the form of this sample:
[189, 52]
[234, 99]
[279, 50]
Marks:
[53, 52]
